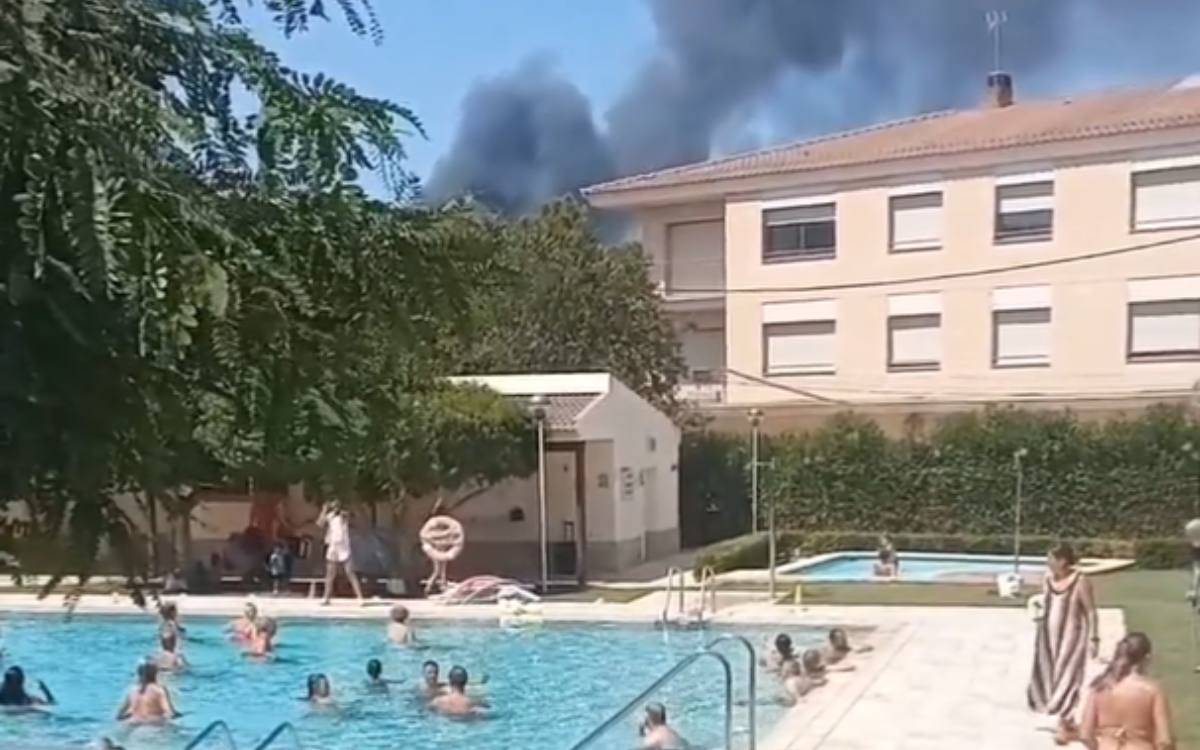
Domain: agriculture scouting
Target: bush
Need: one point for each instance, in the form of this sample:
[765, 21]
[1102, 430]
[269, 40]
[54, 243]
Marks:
[750, 551]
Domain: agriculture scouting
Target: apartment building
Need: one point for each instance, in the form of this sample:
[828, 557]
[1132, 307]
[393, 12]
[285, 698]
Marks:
[1042, 252]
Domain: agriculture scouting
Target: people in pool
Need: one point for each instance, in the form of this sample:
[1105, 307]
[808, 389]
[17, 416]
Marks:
[839, 647]
[454, 701]
[399, 630]
[262, 642]
[801, 677]
[242, 628]
[375, 679]
[147, 702]
[431, 686]
[13, 694]
[168, 614]
[169, 659]
[888, 563]
[656, 734]
[781, 653]
[320, 691]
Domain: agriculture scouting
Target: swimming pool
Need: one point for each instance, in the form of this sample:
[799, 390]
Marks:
[550, 685]
[914, 566]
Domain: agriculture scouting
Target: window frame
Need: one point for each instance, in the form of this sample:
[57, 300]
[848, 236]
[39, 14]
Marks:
[996, 363]
[925, 248]
[770, 259]
[904, 367]
[1137, 358]
[1024, 237]
[1134, 228]
[767, 370]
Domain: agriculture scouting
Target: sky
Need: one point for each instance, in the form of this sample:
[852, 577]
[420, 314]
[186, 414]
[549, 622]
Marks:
[434, 51]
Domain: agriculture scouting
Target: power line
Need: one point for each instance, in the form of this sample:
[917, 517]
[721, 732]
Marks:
[995, 270]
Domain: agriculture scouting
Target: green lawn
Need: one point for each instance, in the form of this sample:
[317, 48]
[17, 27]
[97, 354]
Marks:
[1153, 602]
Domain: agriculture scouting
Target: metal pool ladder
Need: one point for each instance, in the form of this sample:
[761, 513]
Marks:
[212, 729]
[278, 732]
[751, 682]
[636, 703]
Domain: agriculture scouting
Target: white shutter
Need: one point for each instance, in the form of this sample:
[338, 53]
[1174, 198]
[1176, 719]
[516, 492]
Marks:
[1022, 337]
[696, 255]
[800, 312]
[800, 348]
[916, 221]
[1021, 298]
[1165, 327]
[921, 303]
[1018, 203]
[916, 341]
[1166, 198]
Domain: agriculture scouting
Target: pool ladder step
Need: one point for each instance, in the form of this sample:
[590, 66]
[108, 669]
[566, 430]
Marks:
[221, 727]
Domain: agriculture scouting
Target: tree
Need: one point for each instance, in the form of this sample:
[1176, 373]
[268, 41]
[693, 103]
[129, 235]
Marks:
[560, 301]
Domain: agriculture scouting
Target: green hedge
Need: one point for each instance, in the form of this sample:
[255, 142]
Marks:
[1124, 479]
[750, 551]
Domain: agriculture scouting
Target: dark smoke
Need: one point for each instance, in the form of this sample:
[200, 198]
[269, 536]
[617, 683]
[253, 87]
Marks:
[730, 73]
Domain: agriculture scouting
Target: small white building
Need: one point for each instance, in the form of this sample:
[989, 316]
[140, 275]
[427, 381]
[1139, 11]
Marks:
[612, 484]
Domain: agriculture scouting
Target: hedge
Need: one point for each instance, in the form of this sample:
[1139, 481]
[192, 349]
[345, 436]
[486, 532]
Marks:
[1122, 479]
[750, 551]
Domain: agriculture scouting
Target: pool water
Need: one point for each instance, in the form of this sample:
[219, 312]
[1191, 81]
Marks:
[549, 685]
[860, 566]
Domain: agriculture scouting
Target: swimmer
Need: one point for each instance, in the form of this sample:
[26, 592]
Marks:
[147, 702]
[781, 653]
[399, 631]
[242, 628]
[430, 686]
[262, 642]
[13, 695]
[375, 681]
[656, 733]
[839, 647]
[169, 659]
[455, 701]
[320, 692]
[168, 613]
[797, 683]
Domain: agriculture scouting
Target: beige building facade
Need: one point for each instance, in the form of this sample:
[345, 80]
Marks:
[1045, 253]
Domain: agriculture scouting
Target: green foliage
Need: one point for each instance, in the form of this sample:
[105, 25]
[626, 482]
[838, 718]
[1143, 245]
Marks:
[558, 300]
[750, 551]
[714, 487]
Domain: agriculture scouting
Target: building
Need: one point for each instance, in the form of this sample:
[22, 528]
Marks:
[1045, 253]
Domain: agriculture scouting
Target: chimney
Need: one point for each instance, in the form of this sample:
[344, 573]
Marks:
[1000, 90]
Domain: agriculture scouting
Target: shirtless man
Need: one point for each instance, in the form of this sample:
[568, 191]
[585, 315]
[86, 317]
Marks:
[375, 681]
[431, 687]
[169, 659]
[399, 631]
[147, 702]
[797, 682]
[839, 647]
[781, 653]
[455, 701]
[656, 734]
[242, 628]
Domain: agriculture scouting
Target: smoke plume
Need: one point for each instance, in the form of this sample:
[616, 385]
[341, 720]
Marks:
[731, 73]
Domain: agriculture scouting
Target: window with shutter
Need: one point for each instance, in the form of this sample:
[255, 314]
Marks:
[1166, 198]
[916, 222]
[1164, 330]
[914, 342]
[799, 233]
[1025, 212]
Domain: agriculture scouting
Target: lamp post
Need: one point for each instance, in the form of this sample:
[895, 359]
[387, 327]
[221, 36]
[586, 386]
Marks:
[537, 407]
[755, 417]
[1017, 456]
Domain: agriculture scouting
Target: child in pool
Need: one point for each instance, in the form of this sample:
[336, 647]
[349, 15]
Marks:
[400, 631]
[262, 643]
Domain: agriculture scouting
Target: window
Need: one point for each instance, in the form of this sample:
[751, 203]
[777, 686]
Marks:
[799, 233]
[914, 332]
[799, 338]
[1025, 212]
[1164, 319]
[695, 256]
[1166, 198]
[1021, 327]
[916, 222]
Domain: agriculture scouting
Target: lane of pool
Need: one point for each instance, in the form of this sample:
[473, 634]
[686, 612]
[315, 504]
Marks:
[550, 684]
[859, 566]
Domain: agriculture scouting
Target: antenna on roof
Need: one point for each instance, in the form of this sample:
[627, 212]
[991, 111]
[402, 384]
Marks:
[995, 23]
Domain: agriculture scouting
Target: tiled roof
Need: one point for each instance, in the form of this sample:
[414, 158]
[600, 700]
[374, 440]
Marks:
[563, 410]
[946, 133]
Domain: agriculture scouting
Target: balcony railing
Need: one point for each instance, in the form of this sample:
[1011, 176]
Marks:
[703, 387]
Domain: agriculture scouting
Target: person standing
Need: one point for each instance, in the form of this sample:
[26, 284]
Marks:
[1126, 710]
[337, 548]
[1067, 635]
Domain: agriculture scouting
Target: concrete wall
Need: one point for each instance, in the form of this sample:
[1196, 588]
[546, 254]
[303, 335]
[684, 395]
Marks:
[1092, 210]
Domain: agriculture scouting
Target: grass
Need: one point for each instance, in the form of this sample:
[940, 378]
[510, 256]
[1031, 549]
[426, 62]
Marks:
[1153, 602]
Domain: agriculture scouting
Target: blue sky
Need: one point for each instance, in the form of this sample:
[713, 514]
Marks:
[434, 50]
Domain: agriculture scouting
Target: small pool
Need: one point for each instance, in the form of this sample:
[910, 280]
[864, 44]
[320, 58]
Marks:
[914, 566]
[550, 685]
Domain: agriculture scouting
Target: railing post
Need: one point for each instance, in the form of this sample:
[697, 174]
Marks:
[751, 681]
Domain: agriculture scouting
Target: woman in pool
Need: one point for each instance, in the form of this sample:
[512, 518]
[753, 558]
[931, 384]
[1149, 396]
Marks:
[839, 647]
[262, 641]
[13, 695]
[168, 613]
[1126, 710]
[242, 628]
[169, 659]
[320, 692]
[1066, 635]
[147, 702]
[399, 631]
[888, 565]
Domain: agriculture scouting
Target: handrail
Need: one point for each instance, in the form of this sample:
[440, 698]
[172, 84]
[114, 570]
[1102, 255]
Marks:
[672, 573]
[229, 743]
[708, 586]
[276, 732]
[751, 680]
[683, 664]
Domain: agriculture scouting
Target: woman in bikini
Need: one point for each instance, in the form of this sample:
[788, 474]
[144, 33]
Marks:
[147, 702]
[14, 696]
[1126, 710]
[1066, 635]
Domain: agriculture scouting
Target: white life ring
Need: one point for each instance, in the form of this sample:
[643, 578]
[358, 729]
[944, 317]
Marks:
[442, 538]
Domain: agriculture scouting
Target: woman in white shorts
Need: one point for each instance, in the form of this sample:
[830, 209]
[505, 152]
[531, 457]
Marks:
[337, 548]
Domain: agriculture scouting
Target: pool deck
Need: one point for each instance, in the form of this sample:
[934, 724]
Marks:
[940, 678]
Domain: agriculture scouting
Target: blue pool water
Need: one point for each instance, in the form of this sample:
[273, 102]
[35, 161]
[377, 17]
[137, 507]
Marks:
[860, 566]
[549, 685]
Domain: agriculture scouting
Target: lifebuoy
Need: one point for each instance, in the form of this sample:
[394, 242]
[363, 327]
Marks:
[442, 538]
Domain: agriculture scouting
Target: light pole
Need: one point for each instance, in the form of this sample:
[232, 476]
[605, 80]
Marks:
[537, 406]
[755, 417]
[1017, 456]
